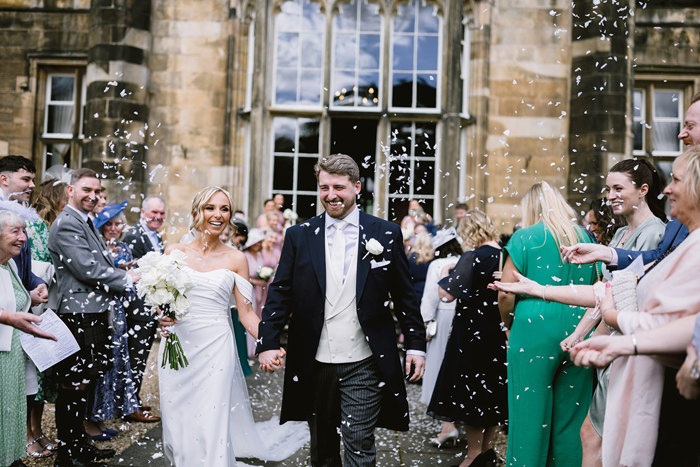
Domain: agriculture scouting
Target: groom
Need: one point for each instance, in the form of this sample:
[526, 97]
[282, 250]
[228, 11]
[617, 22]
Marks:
[337, 275]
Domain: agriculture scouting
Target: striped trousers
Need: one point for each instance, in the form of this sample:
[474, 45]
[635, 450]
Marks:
[347, 399]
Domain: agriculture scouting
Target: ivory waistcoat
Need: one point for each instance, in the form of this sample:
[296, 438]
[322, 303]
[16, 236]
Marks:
[342, 339]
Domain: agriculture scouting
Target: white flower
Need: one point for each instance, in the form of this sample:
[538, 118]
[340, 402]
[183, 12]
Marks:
[374, 247]
[265, 272]
[290, 215]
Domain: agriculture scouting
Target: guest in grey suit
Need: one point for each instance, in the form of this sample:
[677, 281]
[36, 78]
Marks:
[86, 281]
[142, 238]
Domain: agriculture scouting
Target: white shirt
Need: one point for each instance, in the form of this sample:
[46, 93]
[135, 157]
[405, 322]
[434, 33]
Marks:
[351, 232]
[82, 215]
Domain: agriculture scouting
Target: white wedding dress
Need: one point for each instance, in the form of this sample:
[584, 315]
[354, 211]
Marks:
[207, 418]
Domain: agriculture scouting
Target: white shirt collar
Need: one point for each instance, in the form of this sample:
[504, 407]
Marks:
[82, 215]
[145, 227]
[353, 218]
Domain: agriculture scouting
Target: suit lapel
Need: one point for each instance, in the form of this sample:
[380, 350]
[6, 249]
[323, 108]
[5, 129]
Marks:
[363, 260]
[146, 239]
[316, 238]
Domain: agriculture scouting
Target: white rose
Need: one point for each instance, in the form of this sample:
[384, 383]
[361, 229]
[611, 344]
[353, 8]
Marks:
[374, 247]
[181, 305]
[161, 296]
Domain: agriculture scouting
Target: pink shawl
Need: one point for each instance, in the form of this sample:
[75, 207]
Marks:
[636, 382]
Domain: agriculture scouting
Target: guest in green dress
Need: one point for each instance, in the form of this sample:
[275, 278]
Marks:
[13, 297]
[548, 396]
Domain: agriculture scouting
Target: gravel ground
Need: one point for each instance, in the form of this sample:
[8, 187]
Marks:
[130, 432]
[394, 448]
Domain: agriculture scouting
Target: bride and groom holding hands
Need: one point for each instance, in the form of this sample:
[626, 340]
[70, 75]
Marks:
[337, 274]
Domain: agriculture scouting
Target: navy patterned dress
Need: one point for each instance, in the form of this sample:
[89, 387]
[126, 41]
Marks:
[115, 393]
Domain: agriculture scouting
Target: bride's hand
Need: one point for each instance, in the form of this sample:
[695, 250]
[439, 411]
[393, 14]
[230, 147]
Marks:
[272, 360]
[165, 322]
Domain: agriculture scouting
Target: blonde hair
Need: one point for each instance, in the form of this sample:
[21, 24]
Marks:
[475, 229]
[200, 200]
[542, 203]
[691, 178]
[423, 247]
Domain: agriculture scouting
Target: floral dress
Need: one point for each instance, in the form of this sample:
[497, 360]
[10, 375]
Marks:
[115, 392]
[38, 236]
[13, 402]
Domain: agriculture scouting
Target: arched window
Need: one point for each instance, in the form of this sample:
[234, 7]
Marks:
[357, 58]
[299, 38]
[415, 56]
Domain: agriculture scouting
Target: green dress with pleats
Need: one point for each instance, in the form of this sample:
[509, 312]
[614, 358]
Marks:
[13, 402]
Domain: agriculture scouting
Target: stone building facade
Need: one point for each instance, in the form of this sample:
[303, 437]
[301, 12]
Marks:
[440, 100]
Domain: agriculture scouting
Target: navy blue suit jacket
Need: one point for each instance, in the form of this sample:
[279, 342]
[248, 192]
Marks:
[298, 294]
[674, 234]
[24, 269]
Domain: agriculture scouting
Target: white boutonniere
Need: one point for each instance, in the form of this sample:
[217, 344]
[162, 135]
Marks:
[373, 247]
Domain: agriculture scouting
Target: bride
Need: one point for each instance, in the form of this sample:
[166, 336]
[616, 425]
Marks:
[207, 418]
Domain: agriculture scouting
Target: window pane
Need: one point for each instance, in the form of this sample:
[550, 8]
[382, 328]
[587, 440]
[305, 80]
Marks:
[370, 20]
[310, 87]
[343, 82]
[286, 86]
[62, 88]
[311, 51]
[424, 178]
[425, 140]
[368, 89]
[399, 176]
[60, 119]
[428, 21]
[405, 19]
[308, 136]
[402, 92]
[403, 53]
[427, 92]
[398, 208]
[282, 178]
[57, 154]
[313, 19]
[358, 139]
[345, 47]
[305, 207]
[665, 136]
[638, 129]
[666, 103]
[285, 130]
[346, 19]
[287, 49]
[369, 51]
[638, 103]
[306, 180]
[427, 52]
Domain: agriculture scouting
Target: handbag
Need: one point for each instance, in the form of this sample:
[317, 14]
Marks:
[624, 289]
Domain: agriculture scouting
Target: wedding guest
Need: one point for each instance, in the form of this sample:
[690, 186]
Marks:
[547, 397]
[419, 259]
[461, 210]
[86, 285]
[143, 237]
[272, 249]
[13, 298]
[601, 221]
[268, 206]
[438, 315]
[115, 392]
[52, 197]
[101, 203]
[471, 387]
[636, 383]
[241, 235]
[273, 222]
[256, 263]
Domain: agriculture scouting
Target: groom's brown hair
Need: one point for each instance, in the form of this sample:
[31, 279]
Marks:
[338, 164]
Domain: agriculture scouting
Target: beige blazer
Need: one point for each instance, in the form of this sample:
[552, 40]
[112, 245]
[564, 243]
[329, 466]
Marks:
[8, 303]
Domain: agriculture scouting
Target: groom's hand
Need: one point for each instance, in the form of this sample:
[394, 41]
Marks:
[271, 360]
[418, 362]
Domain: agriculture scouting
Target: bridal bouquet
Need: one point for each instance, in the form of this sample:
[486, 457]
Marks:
[265, 272]
[164, 284]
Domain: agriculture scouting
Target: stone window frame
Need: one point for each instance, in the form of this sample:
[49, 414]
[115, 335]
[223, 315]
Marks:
[40, 68]
[648, 84]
